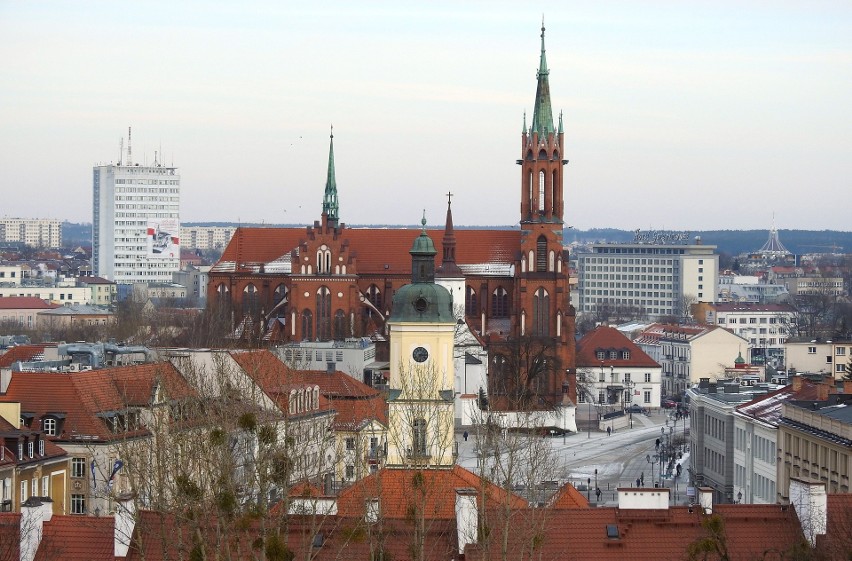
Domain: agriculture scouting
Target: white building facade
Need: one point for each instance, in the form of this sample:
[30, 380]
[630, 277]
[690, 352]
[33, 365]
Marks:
[206, 237]
[136, 222]
[661, 279]
[34, 232]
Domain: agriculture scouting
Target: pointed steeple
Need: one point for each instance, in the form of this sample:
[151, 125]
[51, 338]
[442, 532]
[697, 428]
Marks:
[448, 266]
[542, 114]
[329, 201]
[423, 256]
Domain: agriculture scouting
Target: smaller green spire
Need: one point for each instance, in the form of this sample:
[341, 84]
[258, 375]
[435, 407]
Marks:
[560, 123]
[329, 201]
[542, 121]
[524, 131]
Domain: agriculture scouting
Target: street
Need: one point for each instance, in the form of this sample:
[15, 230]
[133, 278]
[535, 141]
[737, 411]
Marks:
[620, 459]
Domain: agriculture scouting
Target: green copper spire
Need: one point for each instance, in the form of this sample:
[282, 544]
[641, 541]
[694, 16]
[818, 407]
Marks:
[561, 130]
[542, 114]
[329, 201]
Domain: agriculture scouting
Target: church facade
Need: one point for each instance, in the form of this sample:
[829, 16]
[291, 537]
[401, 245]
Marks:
[329, 282]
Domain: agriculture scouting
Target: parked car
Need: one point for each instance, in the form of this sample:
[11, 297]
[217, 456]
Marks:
[635, 409]
[669, 404]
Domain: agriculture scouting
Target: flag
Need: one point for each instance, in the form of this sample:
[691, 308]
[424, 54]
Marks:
[117, 465]
[94, 480]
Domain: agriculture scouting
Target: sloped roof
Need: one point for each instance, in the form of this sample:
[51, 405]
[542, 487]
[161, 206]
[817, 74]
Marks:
[354, 401]
[77, 538]
[568, 497]
[80, 396]
[375, 248]
[767, 408]
[23, 353]
[749, 532]
[433, 489]
[25, 303]
[609, 338]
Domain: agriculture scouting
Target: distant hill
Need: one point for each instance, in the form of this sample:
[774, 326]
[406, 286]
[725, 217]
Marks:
[728, 241]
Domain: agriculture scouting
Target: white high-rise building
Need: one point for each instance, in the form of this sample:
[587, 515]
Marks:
[136, 222]
[35, 232]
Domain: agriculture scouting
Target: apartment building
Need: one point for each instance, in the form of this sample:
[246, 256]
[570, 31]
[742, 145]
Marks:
[206, 237]
[34, 232]
[826, 356]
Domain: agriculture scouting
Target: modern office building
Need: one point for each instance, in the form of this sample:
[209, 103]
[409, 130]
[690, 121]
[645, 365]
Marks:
[659, 279]
[34, 232]
[136, 221]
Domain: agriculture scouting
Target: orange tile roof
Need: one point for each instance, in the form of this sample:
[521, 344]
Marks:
[750, 531]
[568, 497]
[77, 538]
[25, 303]
[606, 338]
[375, 247]
[82, 395]
[354, 401]
[23, 353]
[436, 488]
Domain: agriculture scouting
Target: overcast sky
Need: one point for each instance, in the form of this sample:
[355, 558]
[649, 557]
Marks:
[678, 115]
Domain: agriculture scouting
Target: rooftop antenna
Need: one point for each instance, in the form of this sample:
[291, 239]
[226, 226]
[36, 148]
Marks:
[156, 164]
[120, 149]
[129, 153]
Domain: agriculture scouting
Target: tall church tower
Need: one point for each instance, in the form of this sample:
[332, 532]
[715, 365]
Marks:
[421, 385]
[544, 313]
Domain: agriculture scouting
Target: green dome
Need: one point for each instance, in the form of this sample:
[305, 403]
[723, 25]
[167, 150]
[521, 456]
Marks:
[423, 302]
[423, 244]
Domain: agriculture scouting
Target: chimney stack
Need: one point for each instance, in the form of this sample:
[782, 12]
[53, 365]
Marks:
[125, 521]
[34, 513]
[705, 499]
[810, 502]
[467, 517]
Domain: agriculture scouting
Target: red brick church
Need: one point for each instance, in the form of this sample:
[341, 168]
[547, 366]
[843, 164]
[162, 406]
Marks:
[329, 282]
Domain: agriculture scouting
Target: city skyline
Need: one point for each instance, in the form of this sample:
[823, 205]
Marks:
[690, 117]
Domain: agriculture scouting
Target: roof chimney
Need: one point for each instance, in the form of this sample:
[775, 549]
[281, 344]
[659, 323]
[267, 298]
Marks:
[797, 383]
[705, 499]
[810, 502]
[34, 513]
[467, 517]
[125, 520]
[650, 498]
[5, 379]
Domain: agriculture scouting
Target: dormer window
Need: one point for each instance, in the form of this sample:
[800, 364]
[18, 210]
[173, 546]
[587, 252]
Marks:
[41, 447]
[49, 426]
[30, 448]
[600, 355]
[20, 451]
[625, 355]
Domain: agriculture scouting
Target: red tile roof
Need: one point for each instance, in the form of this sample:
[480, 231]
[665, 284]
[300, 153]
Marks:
[608, 338]
[25, 303]
[77, 538]
[23, 353]
[354, 401]
[568, 497]
[81, 396]
[433, 489]
[375, 247]
[750, 531]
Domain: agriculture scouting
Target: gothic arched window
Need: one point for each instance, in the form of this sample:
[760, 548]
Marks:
[307, 325]
[251, 300]
[541, 254]
[541, 190]
[323, 313]
[500, 303]
[470, 302]
[541, 313]
[339, 325]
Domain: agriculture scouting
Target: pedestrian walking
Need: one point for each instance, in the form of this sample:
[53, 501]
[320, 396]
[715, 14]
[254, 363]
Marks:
[465, 436]
[609, 431]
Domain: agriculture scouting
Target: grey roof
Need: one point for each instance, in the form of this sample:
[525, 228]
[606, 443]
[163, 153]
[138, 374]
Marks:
[79, 310]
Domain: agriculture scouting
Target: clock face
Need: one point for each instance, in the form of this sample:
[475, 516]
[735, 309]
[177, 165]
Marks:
[420, 354]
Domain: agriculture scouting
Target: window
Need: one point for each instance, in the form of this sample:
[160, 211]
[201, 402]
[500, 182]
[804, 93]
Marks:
[35, 487]
[839, 368]
[350, 472]
[419, 440]
[500, 303]
[600, 355]
[647, 377]
[30, 448]
[541, 313]
[78, 467]
[350, 443]
[541, 190]
[307, 325]
[324, 313]
[470, 302]
[45, 487]
[78, 504]
[840, 351]
[627, 377]
[828, 359]
[24, 485]
[811, 350]
[41, 447]
[340, 327]
[49, 426]
[625, 355]
[541, 254]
